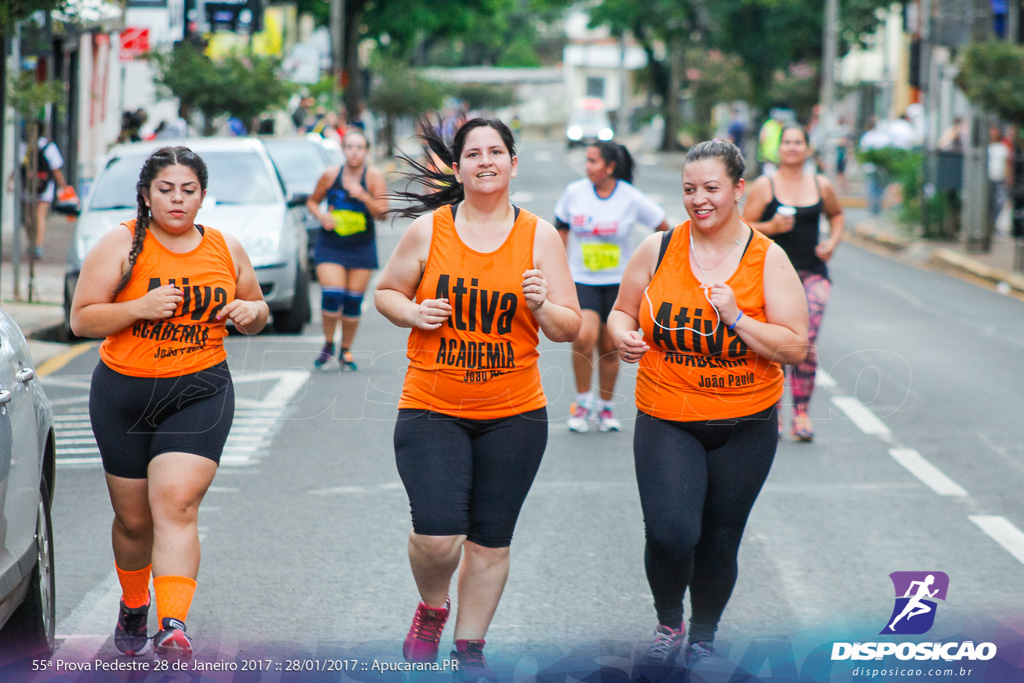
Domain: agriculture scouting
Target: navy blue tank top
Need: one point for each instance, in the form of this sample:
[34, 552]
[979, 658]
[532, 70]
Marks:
[354, 221]
[799, 243]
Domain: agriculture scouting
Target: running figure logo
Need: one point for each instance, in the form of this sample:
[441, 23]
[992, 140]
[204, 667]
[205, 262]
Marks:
[916, 592]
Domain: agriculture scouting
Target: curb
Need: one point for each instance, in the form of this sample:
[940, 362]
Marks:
[958, 261]
[942, 257]
[890, 241]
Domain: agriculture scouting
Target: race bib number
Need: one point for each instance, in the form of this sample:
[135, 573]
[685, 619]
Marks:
[601, 256]
[348, 222]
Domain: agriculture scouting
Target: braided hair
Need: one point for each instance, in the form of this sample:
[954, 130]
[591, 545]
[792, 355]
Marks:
[157, 161]
[441, 184]
[614, 153]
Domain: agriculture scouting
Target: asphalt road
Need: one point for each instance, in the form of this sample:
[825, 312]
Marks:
[917, 466]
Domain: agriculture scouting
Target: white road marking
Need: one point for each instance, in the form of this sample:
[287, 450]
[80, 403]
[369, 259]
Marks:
[823, 379]
[95, 614]
[861, 415]
[928, 473]
[252, 430]
[1002, 532]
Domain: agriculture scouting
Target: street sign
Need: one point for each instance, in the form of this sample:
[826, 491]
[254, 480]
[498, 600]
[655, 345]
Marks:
[134, 43]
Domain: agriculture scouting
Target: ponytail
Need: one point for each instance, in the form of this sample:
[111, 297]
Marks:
[614, 153]
[442, 187]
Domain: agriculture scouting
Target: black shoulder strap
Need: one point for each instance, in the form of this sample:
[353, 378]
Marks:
[516, 217]
[201, 229]
[666, 237]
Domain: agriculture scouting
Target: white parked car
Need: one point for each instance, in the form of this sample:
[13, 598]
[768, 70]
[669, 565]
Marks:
[246, 197]
[27, 470]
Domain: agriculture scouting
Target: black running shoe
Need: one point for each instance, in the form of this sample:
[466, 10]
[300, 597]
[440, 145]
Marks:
[325, 356]
[130, 637]
[471, 666]
[171, 642]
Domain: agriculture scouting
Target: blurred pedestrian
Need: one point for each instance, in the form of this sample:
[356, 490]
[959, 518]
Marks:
[768, 141]
[1000, 162]
[737, 128]
[788, 206]
[475, 279]
[709, 310]
[47, 186]
[161, 289]
[595, 217]
[875, 176]
[346, 248]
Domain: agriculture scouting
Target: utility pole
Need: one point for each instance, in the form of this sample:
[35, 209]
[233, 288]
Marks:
[622, 125]
[337, 41]
[975, 206]
[828, 85]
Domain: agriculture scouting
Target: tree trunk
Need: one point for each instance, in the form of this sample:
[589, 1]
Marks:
[354, 94]
[670, 104]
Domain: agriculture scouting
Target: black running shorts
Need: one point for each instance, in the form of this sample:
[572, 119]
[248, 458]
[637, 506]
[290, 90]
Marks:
[136, 419]
[468, 477]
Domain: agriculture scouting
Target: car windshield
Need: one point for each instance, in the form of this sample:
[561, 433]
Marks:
[590, 118]
[298, 161]
[234, 178]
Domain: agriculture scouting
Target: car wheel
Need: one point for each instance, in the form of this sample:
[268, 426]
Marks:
[31, 627]
[292, 321]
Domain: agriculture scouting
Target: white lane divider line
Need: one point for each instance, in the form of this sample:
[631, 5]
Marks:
[861, 415]
[930, 475]
[823, 379]
[1003, 532]
[94, 615]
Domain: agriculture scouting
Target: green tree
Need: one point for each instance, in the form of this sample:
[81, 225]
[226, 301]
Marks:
[767, 35]
[992, 76]
[239, 85]
[13, 11]
[402, 92]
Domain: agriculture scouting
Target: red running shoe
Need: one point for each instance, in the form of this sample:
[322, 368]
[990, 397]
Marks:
[425, 633]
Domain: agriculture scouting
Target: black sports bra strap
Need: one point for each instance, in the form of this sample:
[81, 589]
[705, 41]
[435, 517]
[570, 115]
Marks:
[201, 229]
[666, 237]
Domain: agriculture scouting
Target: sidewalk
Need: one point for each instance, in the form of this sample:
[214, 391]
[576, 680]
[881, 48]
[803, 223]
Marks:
[993, 268]
[43, 318]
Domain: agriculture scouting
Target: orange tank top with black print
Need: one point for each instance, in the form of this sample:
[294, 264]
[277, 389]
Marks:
[482, 363]
[193, 338]
[686, 376]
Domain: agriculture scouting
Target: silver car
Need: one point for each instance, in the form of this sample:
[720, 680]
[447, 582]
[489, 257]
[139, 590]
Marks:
[246, 198]
[301, 161]
[27, 469]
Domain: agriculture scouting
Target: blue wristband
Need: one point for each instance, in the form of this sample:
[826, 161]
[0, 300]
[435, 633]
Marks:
[735, 321]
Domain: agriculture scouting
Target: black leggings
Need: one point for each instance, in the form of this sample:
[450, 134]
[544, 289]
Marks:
[698, 482]
[468, 477]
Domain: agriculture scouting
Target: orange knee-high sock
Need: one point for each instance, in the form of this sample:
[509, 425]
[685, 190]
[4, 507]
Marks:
[134, 585]
[173, 596]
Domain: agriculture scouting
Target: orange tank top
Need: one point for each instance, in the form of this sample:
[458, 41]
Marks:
[685, 376]
[192, 339]
[482, 363]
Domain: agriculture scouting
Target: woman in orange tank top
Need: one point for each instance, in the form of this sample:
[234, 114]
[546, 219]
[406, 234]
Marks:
[161, 289]
[474, 279]
[709, 310]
